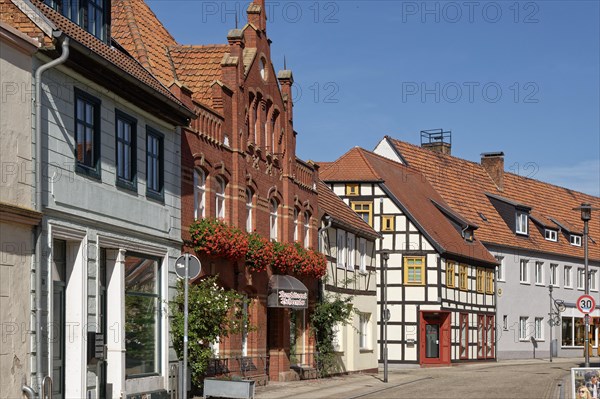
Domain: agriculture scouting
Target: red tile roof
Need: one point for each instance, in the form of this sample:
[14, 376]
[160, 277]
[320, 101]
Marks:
[138, 30]
[464, 185]
[416, 195]
[332, 205]
[198, 67]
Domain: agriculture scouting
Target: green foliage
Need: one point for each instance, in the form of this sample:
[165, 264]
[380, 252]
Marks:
[213, 312]
[327, 314]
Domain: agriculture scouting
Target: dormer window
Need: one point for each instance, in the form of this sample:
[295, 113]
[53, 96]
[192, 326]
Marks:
[522, 223]
[575, 240]
[468, 235]
[551, 235]
[91, 15]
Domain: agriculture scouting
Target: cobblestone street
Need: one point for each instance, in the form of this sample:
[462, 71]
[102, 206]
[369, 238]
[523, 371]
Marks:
[506, 379]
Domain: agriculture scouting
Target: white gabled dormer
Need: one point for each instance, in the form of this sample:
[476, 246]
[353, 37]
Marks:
[388, 150]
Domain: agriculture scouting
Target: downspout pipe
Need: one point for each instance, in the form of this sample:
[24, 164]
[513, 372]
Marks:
[321, 230]
[38, 204]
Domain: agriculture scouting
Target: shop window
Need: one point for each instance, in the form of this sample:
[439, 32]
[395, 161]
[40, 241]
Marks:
[414, 270]
[573, 329]
[142, 315]
[464, 336]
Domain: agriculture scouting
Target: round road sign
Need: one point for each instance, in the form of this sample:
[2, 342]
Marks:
[586, 304]
[193, 266]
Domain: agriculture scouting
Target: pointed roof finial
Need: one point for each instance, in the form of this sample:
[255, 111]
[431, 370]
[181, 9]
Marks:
[284, 64]
[236, 21]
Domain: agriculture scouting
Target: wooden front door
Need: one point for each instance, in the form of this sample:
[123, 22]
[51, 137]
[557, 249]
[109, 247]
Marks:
[434, 339]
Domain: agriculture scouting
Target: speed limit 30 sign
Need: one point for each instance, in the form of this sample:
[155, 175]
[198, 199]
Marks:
[586, 304]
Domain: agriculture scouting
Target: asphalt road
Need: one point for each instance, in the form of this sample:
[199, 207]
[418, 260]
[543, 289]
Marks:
[508, 379]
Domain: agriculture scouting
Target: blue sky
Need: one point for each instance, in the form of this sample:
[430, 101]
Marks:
[520, 77]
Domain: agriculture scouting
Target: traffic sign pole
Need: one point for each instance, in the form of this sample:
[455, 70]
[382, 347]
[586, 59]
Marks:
[185, 326]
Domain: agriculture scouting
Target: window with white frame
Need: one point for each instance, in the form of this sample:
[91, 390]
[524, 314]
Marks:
[362, 249]
[567, 277]
[580, 278]
[296, 224]
[593, 286]
[363, 330]
[524, 271]
[522, 219]
[575, 240]
[351, 253]
[199, 193]
[273, 209]
[337, 341]
[538, 333]
[551, 235]
[249, 222]
[220, 198]
[500, 269]
[554, 274]
[306, 234]
[539, 273]
[523, 320]
[341, 248]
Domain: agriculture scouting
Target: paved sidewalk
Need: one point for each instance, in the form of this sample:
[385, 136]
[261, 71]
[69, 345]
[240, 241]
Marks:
[548, 380]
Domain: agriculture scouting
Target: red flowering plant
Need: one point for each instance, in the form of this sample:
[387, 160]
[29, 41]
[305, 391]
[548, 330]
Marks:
[213, 237]
[313, 263]
[286, 257]
[260, 253]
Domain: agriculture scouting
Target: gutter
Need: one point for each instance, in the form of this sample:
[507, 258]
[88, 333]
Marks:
[37, 256]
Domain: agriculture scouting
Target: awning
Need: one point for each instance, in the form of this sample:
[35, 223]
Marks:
[287, 292]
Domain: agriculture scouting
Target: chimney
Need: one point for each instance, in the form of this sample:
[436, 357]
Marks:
[257, 15]
[493, 163]
[437, 140]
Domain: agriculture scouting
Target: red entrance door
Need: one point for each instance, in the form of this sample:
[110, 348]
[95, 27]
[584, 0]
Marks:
[434, 346]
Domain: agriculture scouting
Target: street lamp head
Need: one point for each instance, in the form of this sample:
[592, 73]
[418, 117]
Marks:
[385, 256]
[586, 211]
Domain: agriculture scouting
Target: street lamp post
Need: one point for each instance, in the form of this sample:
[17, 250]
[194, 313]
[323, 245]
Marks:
[551, 319]
[586, 215]
[385, 314]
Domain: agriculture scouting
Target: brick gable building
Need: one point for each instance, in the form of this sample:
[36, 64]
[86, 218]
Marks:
[238, 159]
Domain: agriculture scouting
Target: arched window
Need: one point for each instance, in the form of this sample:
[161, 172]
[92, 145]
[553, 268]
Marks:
[306, 229]
[199, 191]
[249, 225]
[220, 198]
[273, 219]
[296, 227]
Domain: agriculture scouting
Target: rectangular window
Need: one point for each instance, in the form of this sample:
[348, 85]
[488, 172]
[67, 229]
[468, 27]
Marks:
[387, 223]
[522, 219]
[87, 133]
[126, 149]
[414, 270]
[575, 240]
[200, 193]
[593, 280]
[523, 328]
[539, 273]
[464, 336]
[364, 210]
[480, 336]
[351, 253]
[524, 271]
[567, 277]
[573, 332]
[538, 333]
[362, 249]
[341, 248]
[500, 269]
[154, 164]
[551, 235]
[480, 280]
[88, 14]
[489, 282]
[463, 280]
[490, 340]
[142, 315]
[363, 330]
[505, 322]
[554, 274]
[352, 189]
[450, 275]
[580, 278]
